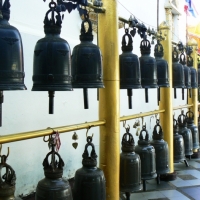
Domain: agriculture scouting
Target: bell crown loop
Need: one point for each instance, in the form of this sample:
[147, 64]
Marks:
[158, 50]
[182, 58]
[175, 57]
[190, 116]
[182, 121]
[142, 140]
[157, 135]
[54, 169]
[5, 10]
[86, 29]
[127, 46]
[189, 61]
[128, 145]
[52, 26]
[175, 126]
[89, 161]
[145, 46]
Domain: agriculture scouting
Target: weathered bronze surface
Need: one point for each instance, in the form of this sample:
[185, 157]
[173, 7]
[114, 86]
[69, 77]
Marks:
[130, 165]
[130, 76]
[52, 58]
[179, 147]
[194, 129]
[53, 186]
[89, 183]
[87, 62]
[162, 66]
[161, 149]
[147, 156]
[186, 133]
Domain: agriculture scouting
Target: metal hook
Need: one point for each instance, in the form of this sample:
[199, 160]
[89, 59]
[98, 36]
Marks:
[124, 124]
[87, 132]
[7, 152]
[150, 120]
[50, 136]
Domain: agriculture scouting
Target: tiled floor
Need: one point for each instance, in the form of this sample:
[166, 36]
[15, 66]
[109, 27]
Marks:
[185, 187]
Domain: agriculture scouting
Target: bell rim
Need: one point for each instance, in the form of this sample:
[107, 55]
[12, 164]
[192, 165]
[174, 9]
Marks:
[13, 87]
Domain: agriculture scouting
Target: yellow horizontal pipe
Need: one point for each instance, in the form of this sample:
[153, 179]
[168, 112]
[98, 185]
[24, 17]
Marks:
[124, 118]
[183, 106]
[40, 133]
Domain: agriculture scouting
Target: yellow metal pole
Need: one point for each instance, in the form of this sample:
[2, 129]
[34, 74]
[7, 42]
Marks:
[194, 99]
[166, 96]
[109, 99]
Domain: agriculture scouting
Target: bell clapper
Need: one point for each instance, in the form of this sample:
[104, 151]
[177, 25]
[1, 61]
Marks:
[85, 96]
[146, 95]
[158, 95]
[1, 101]
[51, 102]
[129, 93]
[182, 93]
[128, 194]
[175, 93]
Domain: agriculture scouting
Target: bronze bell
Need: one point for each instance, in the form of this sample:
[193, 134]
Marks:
[178, 77]
[198, 74]
[186, 133]
[53, 186]
[194, 81]
[162, 151]
[7, 180]
[89, 183]
[179, 147]
[148, 67]
[86, 62]
[194, 130]
[52, 58]
[11, 56]
[130, 77]
[130, 165]
[148, 157]
[162, 67]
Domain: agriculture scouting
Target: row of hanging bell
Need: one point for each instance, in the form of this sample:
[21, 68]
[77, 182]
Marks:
[183, 76]
[53, 67]
[89, 181]
[11, 56]
[144, 72]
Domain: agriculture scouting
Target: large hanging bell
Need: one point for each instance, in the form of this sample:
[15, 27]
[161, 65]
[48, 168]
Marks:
[148, 67]
[186, 133]
[148, 157]
[53, 186]
[179, 147]
[89, 183]
[52, 58]
[130, 77]
[86, 62]
[130, 165]
[11, 56]
[194, 130]
[7, 180]
[162, 150]
[198, 74]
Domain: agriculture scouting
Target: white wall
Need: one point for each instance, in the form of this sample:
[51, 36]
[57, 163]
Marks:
[27, 110]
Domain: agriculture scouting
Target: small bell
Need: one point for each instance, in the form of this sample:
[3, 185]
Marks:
[148, 67]
[89, 183]
[53, 186]
[130, 77]
[178, 77]
[52, 59]
[7, 180]
[86, 62]
[11, 56]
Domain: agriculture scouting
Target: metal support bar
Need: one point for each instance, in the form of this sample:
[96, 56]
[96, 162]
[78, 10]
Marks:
[124, 118]
[97, 9]
[183, 106]
[40, 133]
